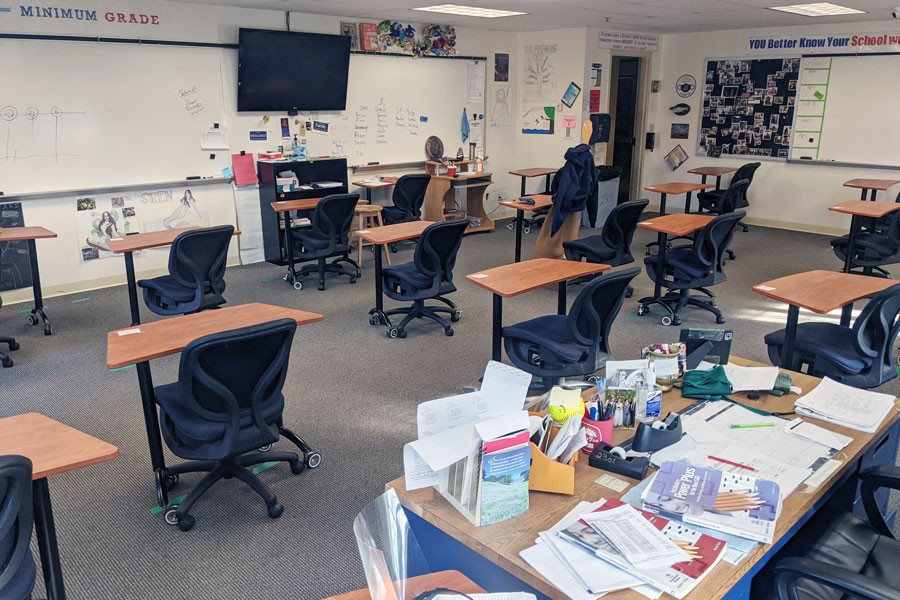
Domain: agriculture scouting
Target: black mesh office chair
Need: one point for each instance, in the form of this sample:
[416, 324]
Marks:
[695, 267]
[226, 404]
[709, 201]
[5, 360]
[196, 278]
[873, 248]
[728, 201]
[408, 198]
[429, 276]
[17, 571]
[328, 235]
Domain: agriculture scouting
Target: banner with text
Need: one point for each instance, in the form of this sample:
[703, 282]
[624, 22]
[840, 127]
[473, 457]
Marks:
[825, 44]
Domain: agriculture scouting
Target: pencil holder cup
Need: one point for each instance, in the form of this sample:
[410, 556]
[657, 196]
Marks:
[668, 362]
[597, 432]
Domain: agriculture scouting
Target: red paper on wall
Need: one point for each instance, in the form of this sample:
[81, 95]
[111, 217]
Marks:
[595, 101]
[244, 169]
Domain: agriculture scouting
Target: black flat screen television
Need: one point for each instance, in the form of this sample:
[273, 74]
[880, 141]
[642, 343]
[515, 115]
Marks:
[285, 70]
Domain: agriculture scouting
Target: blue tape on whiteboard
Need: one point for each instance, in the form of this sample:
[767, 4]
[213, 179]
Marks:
[259, 136]
[424, 119]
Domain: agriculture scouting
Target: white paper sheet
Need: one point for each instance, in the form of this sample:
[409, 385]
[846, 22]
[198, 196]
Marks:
[214, 138]
[744, 379]
[416, 471]
[846, 405]
[592, 572]
[544, 561]
[814, 433]
[475, 81]
[635, 538]
[492, 429]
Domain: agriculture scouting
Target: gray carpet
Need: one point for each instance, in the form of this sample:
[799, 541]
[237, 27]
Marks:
[351, 392]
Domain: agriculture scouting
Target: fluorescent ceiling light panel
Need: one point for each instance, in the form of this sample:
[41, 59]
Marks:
[470, 11]
[819, 9]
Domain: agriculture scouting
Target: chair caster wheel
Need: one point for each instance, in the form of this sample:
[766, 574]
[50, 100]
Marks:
[591, 378]
[402, 335]
[629, 293]
[265, 448]
[47, 329]
[170, 482]
[33, 320]
[456, 315]
[373, 320]
[312, 459]
[274, 511]
[526, 230]
[393, 332]
[448, 332]
[298, 285]
[297, 468]
[358, 274]
[666, 320]
[186, 523]
[353, 279]
[642, 310]
[511, 226]
[284, 277]
[14, 346]
[720, 320]
[321, 287]
[676, 320]
[6, 362]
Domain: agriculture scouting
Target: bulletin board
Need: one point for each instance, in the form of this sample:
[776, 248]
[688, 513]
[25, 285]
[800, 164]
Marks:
[748, 107]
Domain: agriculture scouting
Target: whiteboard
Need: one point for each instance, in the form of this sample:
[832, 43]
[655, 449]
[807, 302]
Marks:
[387, 100]
[845, 110]
[81, 115]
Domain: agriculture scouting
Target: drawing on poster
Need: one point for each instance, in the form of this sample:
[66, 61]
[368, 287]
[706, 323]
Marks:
[172, 209]
[109, 218]
[500, 113]
[539, 72]
[538, 119]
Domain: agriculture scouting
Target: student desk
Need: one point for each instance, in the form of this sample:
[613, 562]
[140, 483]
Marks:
[384, 182]
[30, 234]
[508, 281]
[139, 345]
[820, 292]
[490, 555]
[541, 201]
[440, 198]
[381, 236]
[664, 189]
[451, 580]
[859, 210]
[130, 244]
[526, 174]
[677, 225]
[716, 172]
[52, 448]
[875, 185]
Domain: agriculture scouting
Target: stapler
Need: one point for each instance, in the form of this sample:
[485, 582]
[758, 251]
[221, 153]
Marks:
[526, 200]
[650, 438]
[613, 459]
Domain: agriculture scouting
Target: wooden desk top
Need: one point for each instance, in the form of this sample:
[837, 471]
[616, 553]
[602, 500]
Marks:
[170, 336]
[534, 171]
[540, 201]
[12, 234]
[714, 171]
[385, 182]
[871, 184]
[677, 224]
[864, 208]
[517, 278]
[465, 175]
[302, 204]
[451, 580]
[152, 239]
[51, 446]
[394, 233]
[822, 291]
[501, 543]
[678, 188]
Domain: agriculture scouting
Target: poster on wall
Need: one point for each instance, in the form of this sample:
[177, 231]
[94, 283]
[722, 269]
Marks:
[676, 157]
[172, 209]
[538, 93]
[501, 67]
[501, 116]
[748, 105]
[539, 120]
[101, 218]
[680, 131]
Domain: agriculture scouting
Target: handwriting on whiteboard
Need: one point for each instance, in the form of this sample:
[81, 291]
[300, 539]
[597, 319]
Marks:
[192, 104]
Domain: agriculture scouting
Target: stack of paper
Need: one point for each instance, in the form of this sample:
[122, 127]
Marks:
[846, 406]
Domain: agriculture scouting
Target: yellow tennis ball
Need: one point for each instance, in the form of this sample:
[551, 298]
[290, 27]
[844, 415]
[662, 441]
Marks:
[561, 414]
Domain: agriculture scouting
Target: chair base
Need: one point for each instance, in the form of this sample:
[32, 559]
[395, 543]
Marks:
[321, 267]
[419, 310]
[5, 360]
[673, 302]
[226, 469]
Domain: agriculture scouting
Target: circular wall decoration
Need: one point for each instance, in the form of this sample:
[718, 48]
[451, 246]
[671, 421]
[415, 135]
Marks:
[685, 86]
[434, 147]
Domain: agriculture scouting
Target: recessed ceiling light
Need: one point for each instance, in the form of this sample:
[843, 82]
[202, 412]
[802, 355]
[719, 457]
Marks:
[470, 11]
[818, 9]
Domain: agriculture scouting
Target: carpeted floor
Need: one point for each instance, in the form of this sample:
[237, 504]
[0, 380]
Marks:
[351, 392]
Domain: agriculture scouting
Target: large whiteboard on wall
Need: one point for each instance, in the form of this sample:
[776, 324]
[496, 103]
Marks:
[82, 115]
[388, 100]
[846, 110]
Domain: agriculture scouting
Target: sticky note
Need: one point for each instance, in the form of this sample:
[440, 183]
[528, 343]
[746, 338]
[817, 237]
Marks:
[819, 95]
[129, 331]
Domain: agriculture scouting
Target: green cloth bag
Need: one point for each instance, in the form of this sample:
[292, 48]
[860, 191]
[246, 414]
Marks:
[706, 385]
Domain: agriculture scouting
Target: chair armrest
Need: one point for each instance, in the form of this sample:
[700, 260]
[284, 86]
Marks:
[873, 479]
[790, 570]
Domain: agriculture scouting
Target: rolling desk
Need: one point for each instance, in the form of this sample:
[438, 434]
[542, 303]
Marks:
[440, 198]
[820, 292]
[716, 172]
[53, 448]
[381, 236]
[451, 580]
[665, 189]
[526, 174]
[385, 182]
[130, 244]
[512, 280]
[139, 345]
[541, 201]
[860, 210]
[30, 234]
[490, 555]
[875, 185]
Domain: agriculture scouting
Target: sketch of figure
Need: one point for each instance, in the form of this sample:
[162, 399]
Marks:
[539, 72]
[500, 115]
[103, 229]
[185, 214]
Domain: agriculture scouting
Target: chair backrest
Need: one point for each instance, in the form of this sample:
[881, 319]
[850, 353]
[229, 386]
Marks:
[436, 251]
[621, 224]
[712, 241]
[197, 259]
[409, 194]
[333, 218]
[732, 197]
[235, 373]
[16, 516]
[877, 326]
[744, 172]
[596, 307]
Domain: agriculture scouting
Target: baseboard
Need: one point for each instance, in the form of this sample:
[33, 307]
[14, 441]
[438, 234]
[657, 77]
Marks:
[77, 287]
[786, 225]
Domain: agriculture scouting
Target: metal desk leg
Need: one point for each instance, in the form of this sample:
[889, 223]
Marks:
[790, 334]
[369, 195]
[38, 311]
[132, 289]
[561, 298]
[547, 184]
[522, 192]
[874, 192]
[863, 194]
[497, 328]
[376, 315]
[519, 219]
[846, 315]
[851, 245]
[687, 203]
[290, 276]
[46, 538]
[154, 439]
[662, 204]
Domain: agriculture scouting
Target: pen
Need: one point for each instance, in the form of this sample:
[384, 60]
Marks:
[750, 425]
[728, 462]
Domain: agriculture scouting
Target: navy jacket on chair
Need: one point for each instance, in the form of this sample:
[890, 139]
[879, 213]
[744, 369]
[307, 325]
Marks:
[196, 278]
[408, 197]
[17, 571]
[574, 186]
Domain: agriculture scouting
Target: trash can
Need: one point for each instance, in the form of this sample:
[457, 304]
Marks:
[607, 194]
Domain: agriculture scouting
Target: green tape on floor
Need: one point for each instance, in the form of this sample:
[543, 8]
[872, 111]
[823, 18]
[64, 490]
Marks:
[24, 310]
[260, 468]
[158, 509]
[80, 300]
[121, 368]
[270, 280]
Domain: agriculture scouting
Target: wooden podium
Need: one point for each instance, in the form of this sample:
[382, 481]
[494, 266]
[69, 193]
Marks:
[548, 246]
[440, 197]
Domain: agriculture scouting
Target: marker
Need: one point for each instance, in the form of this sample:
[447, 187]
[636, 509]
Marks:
[750, 425]
[728, 462]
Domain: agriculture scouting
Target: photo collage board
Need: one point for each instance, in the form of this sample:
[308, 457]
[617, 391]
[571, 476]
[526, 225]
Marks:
[748, 107]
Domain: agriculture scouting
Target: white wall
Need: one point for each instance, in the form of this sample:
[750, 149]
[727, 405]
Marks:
[794, 195]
